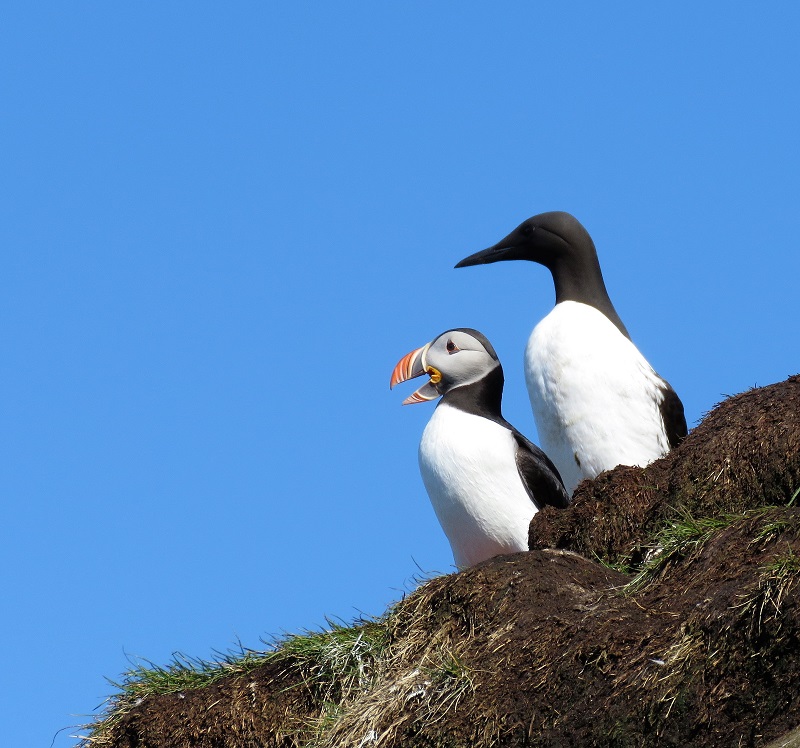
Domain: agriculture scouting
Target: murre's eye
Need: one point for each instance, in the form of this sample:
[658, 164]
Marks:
[452, 347]
[527, 230]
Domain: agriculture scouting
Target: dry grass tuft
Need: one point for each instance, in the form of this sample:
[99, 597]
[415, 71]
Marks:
[765, 601]
[421, 678]
[665, 676]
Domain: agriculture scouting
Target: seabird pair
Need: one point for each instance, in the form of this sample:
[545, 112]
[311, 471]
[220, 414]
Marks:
[596, 401]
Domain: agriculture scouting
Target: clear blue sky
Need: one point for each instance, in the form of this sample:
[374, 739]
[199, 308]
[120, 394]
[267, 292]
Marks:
[223, 224]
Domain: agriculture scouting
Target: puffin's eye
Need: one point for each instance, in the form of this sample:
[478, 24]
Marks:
[452, 347]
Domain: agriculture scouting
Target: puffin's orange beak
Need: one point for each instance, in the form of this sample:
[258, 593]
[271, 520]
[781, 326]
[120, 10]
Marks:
[408, 367]
[413, 365]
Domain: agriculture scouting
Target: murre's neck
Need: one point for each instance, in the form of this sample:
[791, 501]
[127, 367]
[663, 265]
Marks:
[579, 278]
[481, 398]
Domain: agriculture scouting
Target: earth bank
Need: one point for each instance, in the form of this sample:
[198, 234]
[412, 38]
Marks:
[661, 609]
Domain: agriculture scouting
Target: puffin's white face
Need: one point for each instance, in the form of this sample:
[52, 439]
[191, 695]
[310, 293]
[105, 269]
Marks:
[455, 358]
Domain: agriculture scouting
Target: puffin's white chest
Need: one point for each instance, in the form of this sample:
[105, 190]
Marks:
[595, 398]
[470, 473]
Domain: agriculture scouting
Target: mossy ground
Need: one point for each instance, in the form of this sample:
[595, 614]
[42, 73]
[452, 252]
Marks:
[696, 644]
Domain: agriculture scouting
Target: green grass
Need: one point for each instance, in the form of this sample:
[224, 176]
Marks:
[334, 664]
[686, 535]
[184, 673]
[623, 565]
[771, 530]
[336, 659]
[679, 539]
[339, 661]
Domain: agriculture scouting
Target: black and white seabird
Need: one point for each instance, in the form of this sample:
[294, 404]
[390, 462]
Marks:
[596, 400]
[484, 479]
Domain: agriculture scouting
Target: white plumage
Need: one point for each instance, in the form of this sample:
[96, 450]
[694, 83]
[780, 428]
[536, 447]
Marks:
[468, 467]
[594, 397]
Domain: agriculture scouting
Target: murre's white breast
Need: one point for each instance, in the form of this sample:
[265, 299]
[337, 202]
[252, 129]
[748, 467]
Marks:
[469, 470]
[594, 397]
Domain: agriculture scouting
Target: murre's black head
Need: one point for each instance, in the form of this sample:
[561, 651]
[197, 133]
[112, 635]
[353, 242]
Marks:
[548, 239]
[558, 241]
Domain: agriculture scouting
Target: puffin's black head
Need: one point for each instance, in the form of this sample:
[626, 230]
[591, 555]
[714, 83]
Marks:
[547, 238]
[456, 358]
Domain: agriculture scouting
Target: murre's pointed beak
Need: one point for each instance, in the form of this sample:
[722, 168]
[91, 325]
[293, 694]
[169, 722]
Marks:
[413, 365]
[503, 250]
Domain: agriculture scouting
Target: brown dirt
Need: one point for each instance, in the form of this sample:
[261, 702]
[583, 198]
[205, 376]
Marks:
[267, 708]
[547, 649]
[743, 455]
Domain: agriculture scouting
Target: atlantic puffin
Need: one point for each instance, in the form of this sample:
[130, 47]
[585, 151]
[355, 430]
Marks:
[485, 480]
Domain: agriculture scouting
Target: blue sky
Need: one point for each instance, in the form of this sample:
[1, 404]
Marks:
[222, 225]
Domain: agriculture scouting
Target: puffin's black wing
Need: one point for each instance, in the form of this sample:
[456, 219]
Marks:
[539, 475]
[672, 414]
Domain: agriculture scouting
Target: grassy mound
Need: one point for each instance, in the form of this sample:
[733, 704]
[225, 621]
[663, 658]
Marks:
[661, 609]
